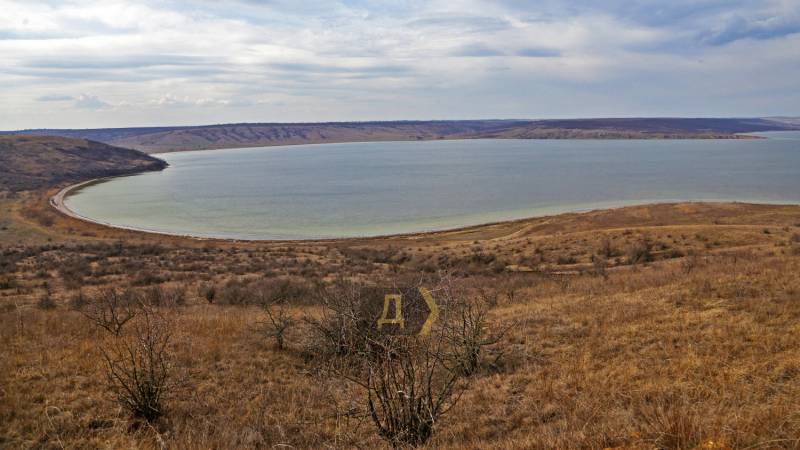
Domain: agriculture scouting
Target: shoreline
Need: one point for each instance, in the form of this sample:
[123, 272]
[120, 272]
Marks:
[699, 137]
[58, 203]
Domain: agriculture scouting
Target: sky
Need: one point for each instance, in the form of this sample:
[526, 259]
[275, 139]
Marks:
[83, 64]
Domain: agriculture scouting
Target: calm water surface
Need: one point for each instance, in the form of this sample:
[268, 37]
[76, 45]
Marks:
[363, 189]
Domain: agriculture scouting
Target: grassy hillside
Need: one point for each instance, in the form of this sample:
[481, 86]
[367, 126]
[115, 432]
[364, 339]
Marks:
[34, 162]
[253, 135]
[165, 139]
[670, 326]
[666, 326]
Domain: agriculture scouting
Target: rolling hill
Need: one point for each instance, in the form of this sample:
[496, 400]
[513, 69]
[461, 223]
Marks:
[167, 139]
[34, 162]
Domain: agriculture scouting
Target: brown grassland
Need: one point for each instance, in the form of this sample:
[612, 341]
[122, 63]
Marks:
[669, 326]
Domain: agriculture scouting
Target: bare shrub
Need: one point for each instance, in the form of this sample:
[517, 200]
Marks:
[288, 290]
[41, 216]
[74, 270]
[599, 266]
[409, 387]
[607, 249]
[112, 308]
[234, 292]
[278, 322]
[409, 380]
[691, 262]
[563, 260]
[278, 318]
[640, 252]
[467, 330]
[344, 327]
[507, 289]
[139, 365]
[209, 292]
[164, 296]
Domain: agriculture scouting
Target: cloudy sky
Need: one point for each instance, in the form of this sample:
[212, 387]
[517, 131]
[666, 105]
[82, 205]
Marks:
[109, 63]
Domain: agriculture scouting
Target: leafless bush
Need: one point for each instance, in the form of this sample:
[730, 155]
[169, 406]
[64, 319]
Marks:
[467, 331]
[209, 292]
[288, 290]
[691, 262]
[278, 322]
[74, 270]
[640, 252]
[139, 365]
[506, 289]
[409, 380]
[599, 266]
[409, 387]
[563, 260]
[607, 249]
[278, 318]
[344, 326]
[234, 292]
[112, 308]
[164, 296]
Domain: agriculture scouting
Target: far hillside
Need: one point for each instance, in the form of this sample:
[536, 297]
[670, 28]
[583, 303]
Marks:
[35, 162]
[167, 139]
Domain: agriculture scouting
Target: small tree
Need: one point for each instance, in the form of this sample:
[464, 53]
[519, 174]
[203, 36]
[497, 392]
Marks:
[139, 365]
[111, 309]
[468, 335]
[279, 322]
[409, 387]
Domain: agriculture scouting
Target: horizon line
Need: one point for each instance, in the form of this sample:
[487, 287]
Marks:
[386, 121]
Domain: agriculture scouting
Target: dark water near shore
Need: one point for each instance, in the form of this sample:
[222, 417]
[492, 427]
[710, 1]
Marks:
[363, 189]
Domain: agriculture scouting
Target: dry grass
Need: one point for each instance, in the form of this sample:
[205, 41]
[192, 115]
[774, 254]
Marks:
[681, 352]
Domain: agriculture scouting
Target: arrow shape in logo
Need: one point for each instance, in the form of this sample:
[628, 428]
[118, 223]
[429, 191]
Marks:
[426, 327]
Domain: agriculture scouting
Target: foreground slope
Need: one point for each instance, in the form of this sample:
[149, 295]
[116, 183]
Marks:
[34, 162]
[687, 339]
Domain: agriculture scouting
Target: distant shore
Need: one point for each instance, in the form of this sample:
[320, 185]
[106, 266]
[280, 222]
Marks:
[207, 137]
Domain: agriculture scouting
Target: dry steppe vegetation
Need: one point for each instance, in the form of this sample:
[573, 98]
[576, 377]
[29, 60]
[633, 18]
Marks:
[661, 326]
[671, 326]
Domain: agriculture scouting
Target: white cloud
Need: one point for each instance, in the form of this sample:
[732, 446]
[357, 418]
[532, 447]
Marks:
[89, 101]
[149, 62]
